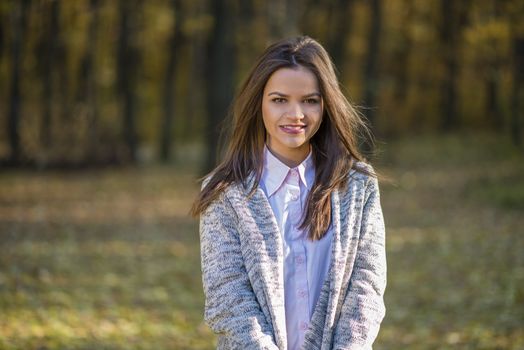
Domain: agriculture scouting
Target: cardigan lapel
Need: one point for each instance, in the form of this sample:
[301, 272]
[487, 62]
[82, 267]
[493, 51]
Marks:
[264, 246]
[343, 248]
[319, 335]
[335, 284]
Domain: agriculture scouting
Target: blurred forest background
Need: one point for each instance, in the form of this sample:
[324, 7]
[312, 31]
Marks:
[110, 111]
[98, 82]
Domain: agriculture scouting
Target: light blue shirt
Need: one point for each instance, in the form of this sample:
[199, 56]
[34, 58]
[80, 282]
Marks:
[306, 262]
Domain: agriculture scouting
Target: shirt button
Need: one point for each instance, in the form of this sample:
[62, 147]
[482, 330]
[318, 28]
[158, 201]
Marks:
[303, 326]
[294, 197]
[299, 260]
[302, 293]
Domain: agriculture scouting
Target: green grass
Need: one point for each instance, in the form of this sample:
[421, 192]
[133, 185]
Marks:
[105, 260]
[455, 225]
[110, 259]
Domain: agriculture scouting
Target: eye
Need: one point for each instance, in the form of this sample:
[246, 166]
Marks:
[312, 101]
[279, 100]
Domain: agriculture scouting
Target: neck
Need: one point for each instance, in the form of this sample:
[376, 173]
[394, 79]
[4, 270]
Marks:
[293, 158]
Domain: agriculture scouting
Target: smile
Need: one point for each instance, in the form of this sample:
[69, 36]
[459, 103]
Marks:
[293, 129]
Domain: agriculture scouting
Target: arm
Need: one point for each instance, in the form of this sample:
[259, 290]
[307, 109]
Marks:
[363, 308]
[231, 308]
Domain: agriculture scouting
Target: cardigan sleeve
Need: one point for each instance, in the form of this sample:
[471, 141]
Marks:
[363, 308]
[231, 308]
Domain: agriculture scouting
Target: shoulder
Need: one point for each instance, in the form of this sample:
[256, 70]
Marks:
[227, 192]
[363, 172]
[362, 181]
[234, 186]
[220, 201]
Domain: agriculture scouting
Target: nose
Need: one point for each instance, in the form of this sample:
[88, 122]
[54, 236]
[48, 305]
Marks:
[295, 111]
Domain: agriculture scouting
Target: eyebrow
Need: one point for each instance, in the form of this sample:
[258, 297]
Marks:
[284, 95]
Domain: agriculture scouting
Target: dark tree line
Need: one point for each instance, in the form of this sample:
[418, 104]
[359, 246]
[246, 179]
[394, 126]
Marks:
[19, 30]
[94, 82]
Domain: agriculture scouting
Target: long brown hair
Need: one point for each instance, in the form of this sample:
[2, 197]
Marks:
[334, 145]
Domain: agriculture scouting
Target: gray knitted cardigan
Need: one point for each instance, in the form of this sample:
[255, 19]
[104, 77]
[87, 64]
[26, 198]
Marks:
[242, 269]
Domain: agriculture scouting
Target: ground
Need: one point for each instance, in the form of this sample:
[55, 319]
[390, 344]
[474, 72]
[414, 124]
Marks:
[109, 259]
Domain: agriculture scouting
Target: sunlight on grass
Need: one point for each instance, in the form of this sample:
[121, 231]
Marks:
[455, 261]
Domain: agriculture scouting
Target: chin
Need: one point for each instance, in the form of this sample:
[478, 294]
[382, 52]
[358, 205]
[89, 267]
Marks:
[295, 146]
[294, 143]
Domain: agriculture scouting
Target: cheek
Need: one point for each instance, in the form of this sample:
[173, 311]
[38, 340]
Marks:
[316, 115]
[269, 114]
[266, 117]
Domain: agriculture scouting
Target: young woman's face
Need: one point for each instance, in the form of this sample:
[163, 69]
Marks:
[292, 111]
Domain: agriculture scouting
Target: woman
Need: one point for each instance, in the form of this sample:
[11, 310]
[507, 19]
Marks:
[292, 233]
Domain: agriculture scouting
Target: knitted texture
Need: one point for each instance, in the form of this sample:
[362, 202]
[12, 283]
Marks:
[242, 271]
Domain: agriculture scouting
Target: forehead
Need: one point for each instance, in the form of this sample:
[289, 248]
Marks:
[299, 80]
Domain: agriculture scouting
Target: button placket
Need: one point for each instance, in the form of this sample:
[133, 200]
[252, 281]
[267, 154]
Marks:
[302, 293]
[296, 272]
[293, 205]
[301, 285]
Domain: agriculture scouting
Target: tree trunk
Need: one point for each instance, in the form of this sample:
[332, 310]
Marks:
[492, 75]
[401, 55]
[50, 47]
[19, 21]
[492, 104]
[197, 84]
[60, 65]
[448, 87]
[3, 20]
[128, 57]
[371, 79]
[247, 20]
[517, 97]
[339, 32]
[166, 131]
[86, 96]
[282, 18]
[220, 73]
[453, 19]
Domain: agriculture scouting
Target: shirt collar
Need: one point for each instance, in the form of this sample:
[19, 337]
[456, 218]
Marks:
[274, 172]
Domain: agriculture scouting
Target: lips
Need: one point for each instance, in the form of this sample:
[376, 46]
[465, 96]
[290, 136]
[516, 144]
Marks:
[293, 128]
